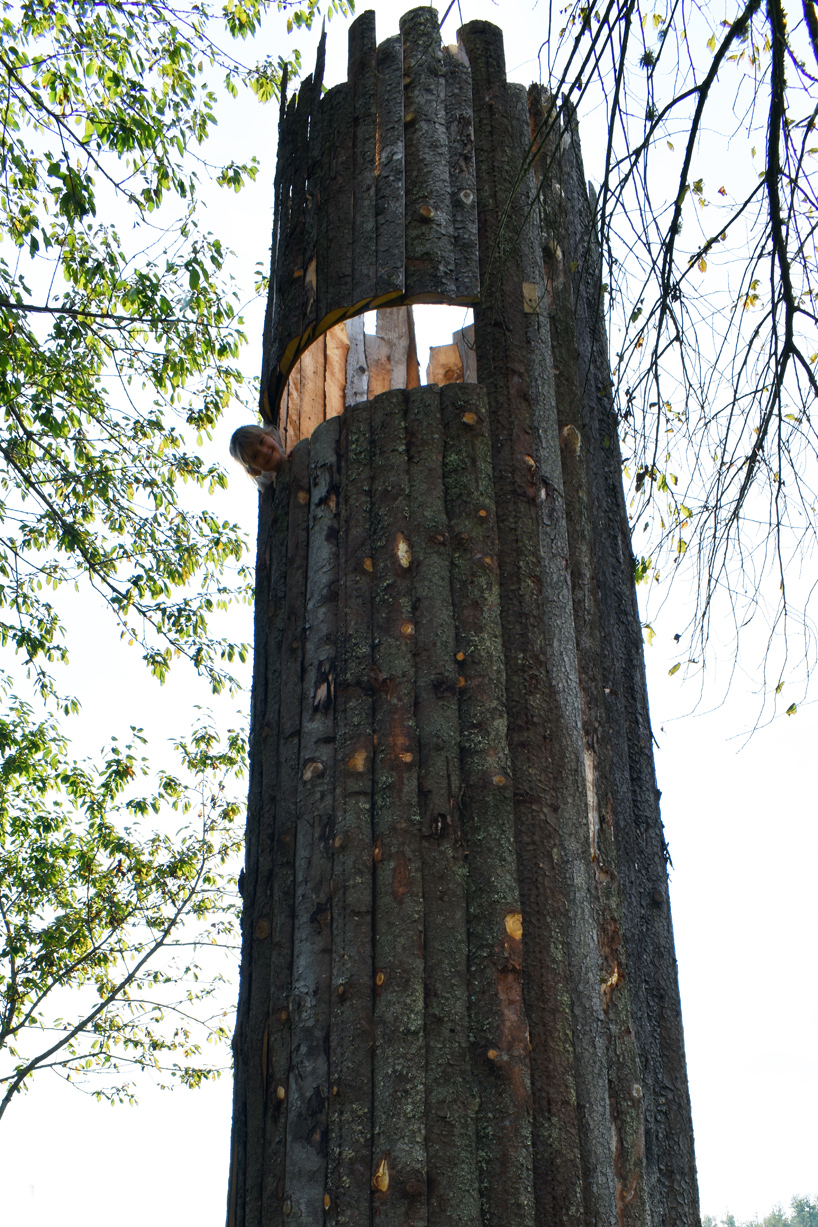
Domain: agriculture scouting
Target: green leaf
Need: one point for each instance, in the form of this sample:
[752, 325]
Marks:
[674, 668]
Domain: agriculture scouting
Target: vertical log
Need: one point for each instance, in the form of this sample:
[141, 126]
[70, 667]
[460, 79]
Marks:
[638, 831]
[568, 751]
[334, 273]
[389, 185]
[293, 408]
[362, 77]
[335, 376]
[276, 322]
[379, 364]
[429, 228]
[351, 1028]
[248, 1042]
[499, 1031]
[462, 183]
[445, 365]
[399, 1156]
[453, 1192]
[464, 340]
[357, 385]
[273, 309]
[313, 199]
[392, 326]
[292, 270]
[276, 934]
[624, 1073]
[573, 1171]
[308, 1092]
[312, 386]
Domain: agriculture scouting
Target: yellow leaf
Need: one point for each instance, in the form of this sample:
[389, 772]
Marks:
[701, 264]
[675, 668]
[650, 634]
[779, 688]
[711, 43]
[792, 709]
[670, 144]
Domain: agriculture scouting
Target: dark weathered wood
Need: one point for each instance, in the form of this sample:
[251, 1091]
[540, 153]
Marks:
[453, 1193]
[362, 77]
[549, 780]
[568, 760]
[462, 183]
[389, 178]
[351, 1027]
[624, 1073]
[273, 307]
[308, 1092]
[334, 276]
[429, 228]
[313, 201]
[399, 1154]
[498, 1026]
[275, 322]
[291, 264]
[275, 935]
[648, 934]
[248, 1091]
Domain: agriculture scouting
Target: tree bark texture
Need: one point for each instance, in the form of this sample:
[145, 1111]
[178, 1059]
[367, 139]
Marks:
[459, 1003]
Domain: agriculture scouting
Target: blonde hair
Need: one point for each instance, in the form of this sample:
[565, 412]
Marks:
[243, 443]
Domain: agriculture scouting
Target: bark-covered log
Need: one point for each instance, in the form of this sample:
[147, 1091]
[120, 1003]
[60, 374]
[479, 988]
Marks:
[642, 860]
[430, 272]
[548, 773]
[399, 1150]
[362, 77]
[449, 1108]
[390, 236]
[498, 1028]
[462, 184]
[351, 1026]
[308, 1092]
[334, 269]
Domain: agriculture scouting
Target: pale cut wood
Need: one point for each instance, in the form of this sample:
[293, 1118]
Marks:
[335, 376]
[357, 387]
[392, 326]
[389, 186]
[429, 232]
[293, 432]
[445, 365]
[313, 365]
[412, 364]
[378, 353]
[464, 340]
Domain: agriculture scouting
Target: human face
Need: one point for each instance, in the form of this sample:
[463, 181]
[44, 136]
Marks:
[267, 456]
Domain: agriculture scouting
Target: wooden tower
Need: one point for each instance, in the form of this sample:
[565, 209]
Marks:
[459, 1003]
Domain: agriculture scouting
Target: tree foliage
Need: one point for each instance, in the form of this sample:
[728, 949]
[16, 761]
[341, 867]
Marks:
[108, 926]
[120, 335]
[707, 214]
[803, 1213]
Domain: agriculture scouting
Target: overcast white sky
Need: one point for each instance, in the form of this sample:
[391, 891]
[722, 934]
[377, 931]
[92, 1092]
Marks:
[740, 824]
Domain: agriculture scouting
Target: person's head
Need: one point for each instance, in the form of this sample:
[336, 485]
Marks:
[259, 449]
